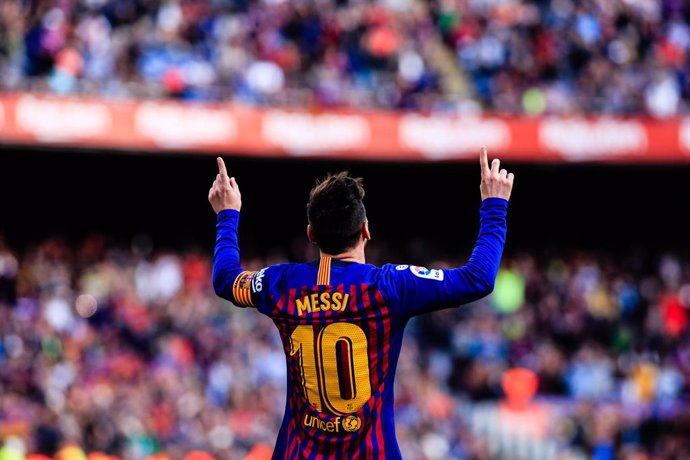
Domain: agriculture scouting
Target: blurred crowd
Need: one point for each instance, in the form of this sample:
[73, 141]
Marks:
[468, 56]
[164, 366]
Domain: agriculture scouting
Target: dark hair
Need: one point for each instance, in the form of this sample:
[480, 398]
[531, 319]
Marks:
[336, 213]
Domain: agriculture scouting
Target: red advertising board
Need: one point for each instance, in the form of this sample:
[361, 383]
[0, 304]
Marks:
[31, 119]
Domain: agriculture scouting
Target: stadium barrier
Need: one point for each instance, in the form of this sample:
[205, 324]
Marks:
[29, 119]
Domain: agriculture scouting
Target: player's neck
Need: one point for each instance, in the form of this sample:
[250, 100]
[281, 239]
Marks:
[355, 254]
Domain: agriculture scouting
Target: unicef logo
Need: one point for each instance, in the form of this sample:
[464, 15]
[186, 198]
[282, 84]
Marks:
[352, 423]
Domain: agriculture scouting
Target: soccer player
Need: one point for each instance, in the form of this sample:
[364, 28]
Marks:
[341, 320]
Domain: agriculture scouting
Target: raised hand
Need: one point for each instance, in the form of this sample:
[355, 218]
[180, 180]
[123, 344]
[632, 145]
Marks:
[496, 182]
[224, 193]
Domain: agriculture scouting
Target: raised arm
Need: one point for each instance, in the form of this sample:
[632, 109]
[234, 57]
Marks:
[226, 200]
[496, 187]
[416, 290]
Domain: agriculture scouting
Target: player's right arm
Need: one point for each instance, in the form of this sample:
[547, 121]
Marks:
[414, 290]
[226, 201]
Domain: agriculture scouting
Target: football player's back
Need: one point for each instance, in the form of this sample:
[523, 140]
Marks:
[342, 342]
[341, 320]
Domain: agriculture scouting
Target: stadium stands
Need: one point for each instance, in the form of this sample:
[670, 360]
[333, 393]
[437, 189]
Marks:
[163, 364]
[164, 370]
[508, 57]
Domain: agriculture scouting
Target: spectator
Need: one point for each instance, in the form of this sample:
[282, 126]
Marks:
[164, 365]
[516, 56]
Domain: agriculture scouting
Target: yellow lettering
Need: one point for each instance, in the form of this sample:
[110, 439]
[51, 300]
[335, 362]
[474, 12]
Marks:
[303, 305]
[315, 422]
[337, 297]
[325, 301]
[302, 342]
[344, 303]
[335, 301]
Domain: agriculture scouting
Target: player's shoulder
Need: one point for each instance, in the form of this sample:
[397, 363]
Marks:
[394, 267]
[414, 271]
[257, 284]
[280, 271]
[377, 272]
[272, 271]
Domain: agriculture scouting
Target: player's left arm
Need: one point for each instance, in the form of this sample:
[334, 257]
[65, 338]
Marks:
[228, 275]
[415, 290]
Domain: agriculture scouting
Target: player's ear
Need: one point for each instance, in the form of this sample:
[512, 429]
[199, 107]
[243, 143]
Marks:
[310, 234]
[366, 234]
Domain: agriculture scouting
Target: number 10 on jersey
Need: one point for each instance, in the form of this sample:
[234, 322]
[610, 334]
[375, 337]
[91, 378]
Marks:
[335, 365]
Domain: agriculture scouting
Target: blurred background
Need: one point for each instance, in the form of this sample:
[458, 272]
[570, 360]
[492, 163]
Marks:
[111, 113]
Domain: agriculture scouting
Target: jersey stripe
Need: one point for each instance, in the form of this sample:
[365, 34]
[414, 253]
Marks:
[345, 448]
[373, 441]
[293, 438]
[291, 302]
[307, 446]
[324, 275]
[386, 323]
[280, 304]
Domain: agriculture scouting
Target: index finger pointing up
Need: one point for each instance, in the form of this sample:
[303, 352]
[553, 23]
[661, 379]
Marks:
[484, 161]
[221, 167]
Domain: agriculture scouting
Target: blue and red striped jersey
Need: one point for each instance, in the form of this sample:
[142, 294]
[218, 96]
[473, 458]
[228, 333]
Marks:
[341, 325]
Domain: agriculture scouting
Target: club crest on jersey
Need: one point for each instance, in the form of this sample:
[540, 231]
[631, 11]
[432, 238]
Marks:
[241, 289]
[423, 272]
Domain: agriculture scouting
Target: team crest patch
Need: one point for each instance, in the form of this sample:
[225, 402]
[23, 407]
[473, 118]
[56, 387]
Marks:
[402, 267]
[423, 272]
[352, 423]
[243, 281]
[241, 289]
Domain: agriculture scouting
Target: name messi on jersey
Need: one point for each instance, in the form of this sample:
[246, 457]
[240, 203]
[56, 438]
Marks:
[336, 301]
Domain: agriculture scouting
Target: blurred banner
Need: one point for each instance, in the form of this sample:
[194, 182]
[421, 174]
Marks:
[30, 119]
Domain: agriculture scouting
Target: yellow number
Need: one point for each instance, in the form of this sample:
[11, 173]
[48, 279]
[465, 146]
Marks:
[303, 342]
[352, 337]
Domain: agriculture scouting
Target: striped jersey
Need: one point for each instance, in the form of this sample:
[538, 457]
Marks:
[341, 325]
